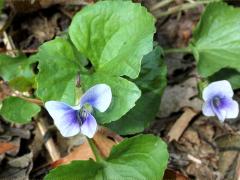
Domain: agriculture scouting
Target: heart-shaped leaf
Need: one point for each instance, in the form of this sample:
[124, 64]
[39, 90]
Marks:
[152, 81]
[216, 40]
[17, 71]
[18, 110]
[139, 157]
[114, 36]
[58, 69]
[125, 94]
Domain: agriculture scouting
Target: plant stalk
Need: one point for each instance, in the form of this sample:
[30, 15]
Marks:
[178, 50]
[31, 100]
[95, 150]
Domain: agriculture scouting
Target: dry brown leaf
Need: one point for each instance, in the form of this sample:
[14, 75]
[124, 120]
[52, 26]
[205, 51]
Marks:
[4, 147]
[229, 145]
[177, 97]
[104, 144]
[173, 175]
[84, 152]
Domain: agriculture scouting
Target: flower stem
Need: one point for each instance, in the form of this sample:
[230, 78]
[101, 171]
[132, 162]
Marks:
[178, 50]
[95, 150]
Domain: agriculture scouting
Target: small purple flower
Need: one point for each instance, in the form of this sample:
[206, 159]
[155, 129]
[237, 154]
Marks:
[218, 101]
[73, 120]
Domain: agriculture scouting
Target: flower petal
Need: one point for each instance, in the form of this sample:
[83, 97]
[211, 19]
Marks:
[64, 117]
[220, 113]
[221, 88]
[99, 96]
[232, 109]
[207, 109]
[89, 126]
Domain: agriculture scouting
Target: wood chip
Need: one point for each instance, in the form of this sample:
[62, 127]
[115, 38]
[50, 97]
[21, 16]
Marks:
[181, 124]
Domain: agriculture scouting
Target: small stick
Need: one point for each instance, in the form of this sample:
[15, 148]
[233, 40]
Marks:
[194, 159]
[160, 4]
[182, 7]
[31, 100]
[181, 124]
[9, 44]
[50, 145]
[19, 50]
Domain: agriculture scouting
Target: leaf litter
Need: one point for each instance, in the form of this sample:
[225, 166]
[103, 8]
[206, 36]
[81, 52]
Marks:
[203, 148]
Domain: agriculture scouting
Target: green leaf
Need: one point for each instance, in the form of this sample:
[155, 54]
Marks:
[114, 36]
[152, 81]
[232, 75]
[2, 2]
[216, 40]
[18, 110]
[139, 157]
[125, 94]
[58, 69]
[17, 71]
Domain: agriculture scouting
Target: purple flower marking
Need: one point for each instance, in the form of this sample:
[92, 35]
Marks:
[73, 120]
[218, 101]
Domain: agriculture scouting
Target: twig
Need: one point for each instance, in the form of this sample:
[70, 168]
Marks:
[50, 145]
[32, 100]
[181, 124]
[191, 1]
[182, 7]
[17, 50]
[9, 44]
[238, 168]
[8, 22]
[194, 159]
[160, 4]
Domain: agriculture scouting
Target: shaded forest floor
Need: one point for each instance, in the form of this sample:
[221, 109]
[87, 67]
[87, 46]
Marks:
[200, 147]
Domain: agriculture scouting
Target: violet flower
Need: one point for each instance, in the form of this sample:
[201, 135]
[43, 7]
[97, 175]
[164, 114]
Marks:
[218, 101]
[78, 119]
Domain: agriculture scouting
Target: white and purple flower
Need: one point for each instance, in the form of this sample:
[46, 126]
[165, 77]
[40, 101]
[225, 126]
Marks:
[218, 101]
[71, 120]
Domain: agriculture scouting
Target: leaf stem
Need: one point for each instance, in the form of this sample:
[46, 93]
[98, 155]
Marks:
[95, 150]
[178, 50]
[31, 100]
[182, 7]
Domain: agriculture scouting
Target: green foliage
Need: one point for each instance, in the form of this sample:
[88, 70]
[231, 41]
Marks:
[152, 81]
[18, 110]
[1, 5]
[17, 71]
[216, 40]
[139, 157]
[232, 75]
[58, 69]
[125, 94]
[114, 36]
[102, 33]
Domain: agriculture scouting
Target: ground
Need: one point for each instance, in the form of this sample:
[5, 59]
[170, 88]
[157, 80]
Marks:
[200, 147]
